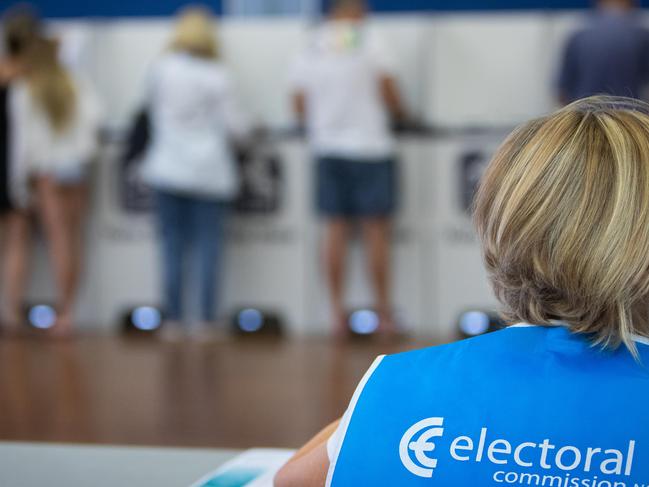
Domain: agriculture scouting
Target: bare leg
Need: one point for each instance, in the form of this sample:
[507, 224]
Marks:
[15, 266]
[376, 233]
[50, 207]
[335, 253]
[74, 203]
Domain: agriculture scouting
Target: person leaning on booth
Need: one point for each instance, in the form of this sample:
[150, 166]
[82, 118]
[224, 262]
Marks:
[345, 93]
[60, 116]
[190, 166]
[49, 135]
[559, 398]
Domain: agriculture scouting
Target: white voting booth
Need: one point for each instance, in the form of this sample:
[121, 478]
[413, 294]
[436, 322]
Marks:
[471, 77]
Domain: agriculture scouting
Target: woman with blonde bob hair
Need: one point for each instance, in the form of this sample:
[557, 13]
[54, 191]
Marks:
[194, 33]
[558, 397]
[194, 115]
[563, 215]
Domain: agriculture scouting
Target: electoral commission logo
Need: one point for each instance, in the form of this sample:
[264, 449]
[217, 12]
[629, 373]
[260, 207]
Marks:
[429, 428]
[517, 461]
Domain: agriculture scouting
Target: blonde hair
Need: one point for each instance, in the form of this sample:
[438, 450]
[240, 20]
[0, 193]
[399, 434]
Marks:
[194, 33]
[50, 84]
[563, 216]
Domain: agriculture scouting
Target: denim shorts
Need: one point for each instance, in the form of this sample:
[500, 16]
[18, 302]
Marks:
[355, 187]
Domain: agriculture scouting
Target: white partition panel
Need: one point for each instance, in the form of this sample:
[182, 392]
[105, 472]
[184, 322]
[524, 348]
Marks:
[123, 53]
[267, 255]
[129, 266]
[406, 39]
[260, 54]
[461, 281]
[488, 70]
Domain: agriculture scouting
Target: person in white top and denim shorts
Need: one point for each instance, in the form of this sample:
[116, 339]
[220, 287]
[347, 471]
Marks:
[345, 93]
[55, 122]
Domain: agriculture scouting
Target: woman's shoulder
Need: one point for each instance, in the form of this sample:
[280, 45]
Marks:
[524, 343]
[519, 340]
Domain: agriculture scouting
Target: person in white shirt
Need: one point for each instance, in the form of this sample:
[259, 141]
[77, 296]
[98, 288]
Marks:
[345, 93]
[19, 28]
[57, 136]
[189, 163]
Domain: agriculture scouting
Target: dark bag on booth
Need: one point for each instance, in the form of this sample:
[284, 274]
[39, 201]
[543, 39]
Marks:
[135, 196]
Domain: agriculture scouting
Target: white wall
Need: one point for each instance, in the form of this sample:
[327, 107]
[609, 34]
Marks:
[488, 70]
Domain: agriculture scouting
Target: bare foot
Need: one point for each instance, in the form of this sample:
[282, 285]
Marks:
[63, 326]
[387, 330]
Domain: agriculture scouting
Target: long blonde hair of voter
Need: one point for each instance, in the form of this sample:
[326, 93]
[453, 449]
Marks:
[563, 216]
[194, 33]
[50, 84]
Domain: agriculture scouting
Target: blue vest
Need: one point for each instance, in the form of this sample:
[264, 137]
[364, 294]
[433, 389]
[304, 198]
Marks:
[525, 406]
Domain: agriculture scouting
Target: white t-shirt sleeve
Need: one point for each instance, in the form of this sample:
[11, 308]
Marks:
[335, 442]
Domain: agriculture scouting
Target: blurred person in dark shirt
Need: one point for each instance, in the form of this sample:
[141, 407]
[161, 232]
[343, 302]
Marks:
[610, 55]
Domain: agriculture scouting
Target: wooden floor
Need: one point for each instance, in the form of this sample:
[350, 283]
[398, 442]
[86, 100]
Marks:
[234, 393]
